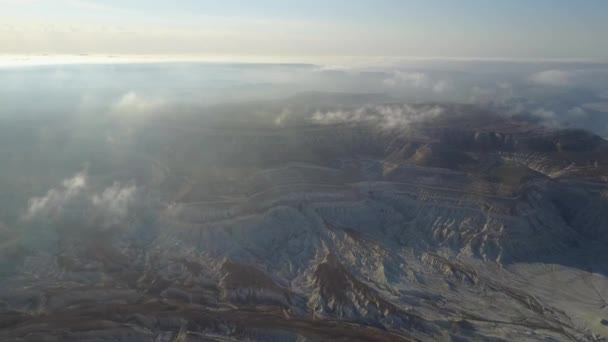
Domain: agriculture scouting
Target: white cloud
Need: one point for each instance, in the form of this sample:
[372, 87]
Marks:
[55, 199]
[133, 104]
[597, 106]
[441, 86]
[409, 79]
[115, 200]
[417, 80]
[544, 113]
[285, 114]
[75, 196]
[555, 78]
[402, 116]
[386, 117]
[341, 116]
[482, 95]
[548, 118]
[577, 112]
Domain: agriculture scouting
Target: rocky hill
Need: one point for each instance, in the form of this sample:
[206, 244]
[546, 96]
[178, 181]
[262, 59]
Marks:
[453, 226]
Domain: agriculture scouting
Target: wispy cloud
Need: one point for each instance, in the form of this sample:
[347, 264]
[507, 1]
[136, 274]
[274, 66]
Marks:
[55, 199]
[384, 116]
[133, 104]
[114, 201]
[417, 80]
[556, 78]
[76, 197]
[281, 118]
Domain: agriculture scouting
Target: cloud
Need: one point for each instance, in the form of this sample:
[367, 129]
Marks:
[76, 198]
[341, 116]
[114, 201]
[384, 116]
[544, 114]
[409, 79]
[555, 78]
[402, 116]
[281, 118]
[133, 104]
[577, 112]
[417, 80]
[55, 199]
[441, 86]
[597, 106]
[483, 94]
[548, 118]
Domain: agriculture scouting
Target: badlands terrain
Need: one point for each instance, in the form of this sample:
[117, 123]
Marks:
[284, 221]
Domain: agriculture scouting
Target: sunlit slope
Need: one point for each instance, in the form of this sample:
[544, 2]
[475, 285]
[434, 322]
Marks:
[456, 225]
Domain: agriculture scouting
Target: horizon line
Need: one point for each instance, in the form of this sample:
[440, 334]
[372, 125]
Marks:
[33, 60]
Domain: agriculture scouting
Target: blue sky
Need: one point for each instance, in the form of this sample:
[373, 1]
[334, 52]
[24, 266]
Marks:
[430, 28]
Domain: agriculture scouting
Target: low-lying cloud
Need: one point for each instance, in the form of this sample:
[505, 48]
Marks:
[555, 78]
[417, 80]
[76, 197]
[113, 202]
[385, 116]
[133, 104]
[115, 101]
[55, 200]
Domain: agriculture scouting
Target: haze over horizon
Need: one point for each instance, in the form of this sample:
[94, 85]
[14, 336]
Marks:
[275, 30]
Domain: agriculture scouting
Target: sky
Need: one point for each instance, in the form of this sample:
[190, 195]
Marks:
[515, 29]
